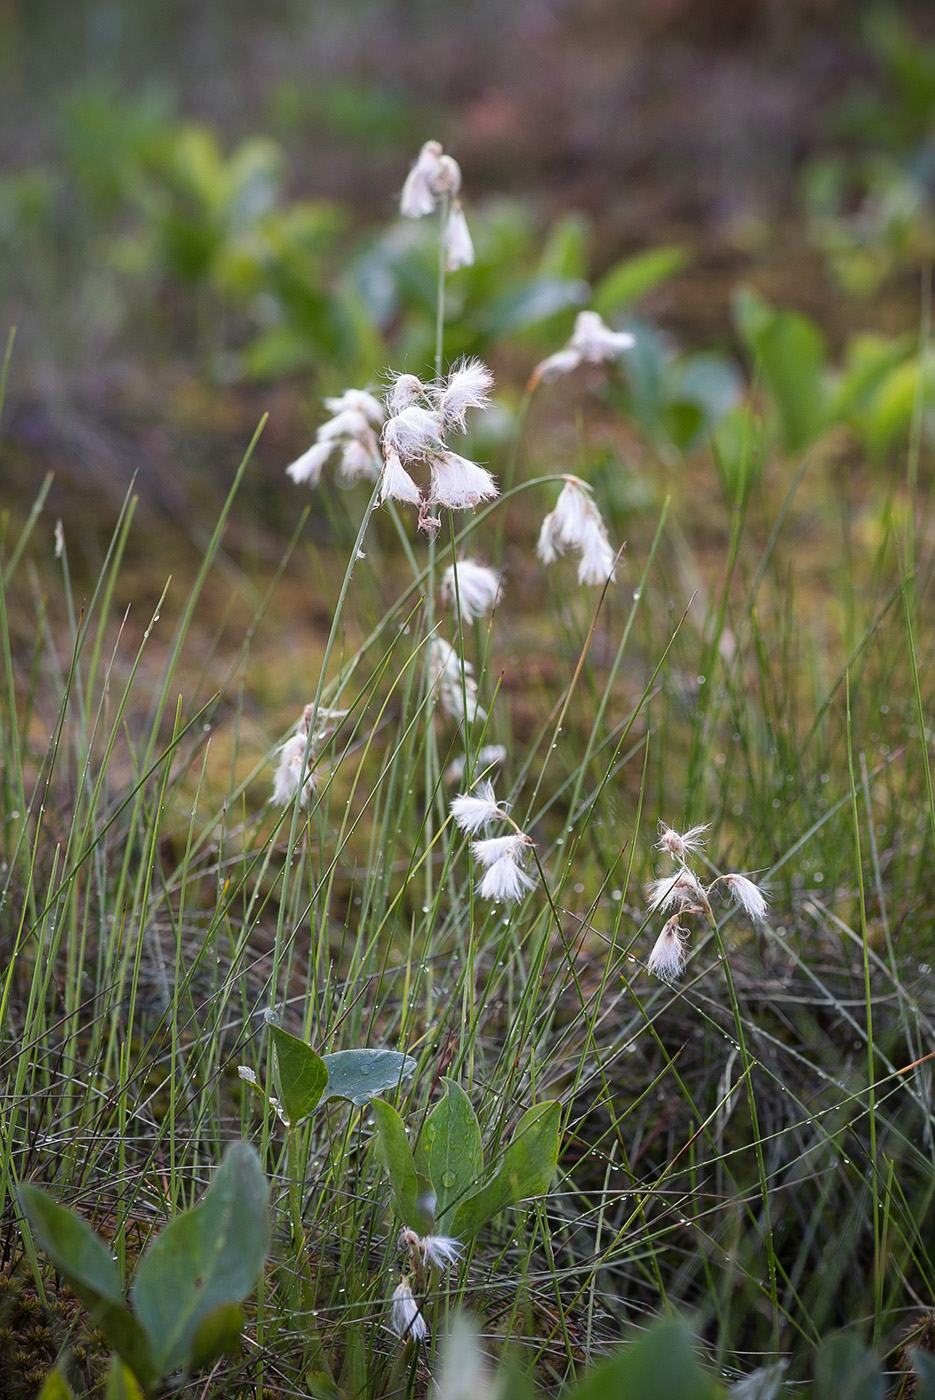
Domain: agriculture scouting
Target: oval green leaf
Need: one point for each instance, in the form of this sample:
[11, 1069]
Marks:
[301, 1075]
[359, 1075]
[208, 1256]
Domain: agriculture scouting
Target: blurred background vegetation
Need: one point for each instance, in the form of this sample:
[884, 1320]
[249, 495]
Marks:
[198, 217]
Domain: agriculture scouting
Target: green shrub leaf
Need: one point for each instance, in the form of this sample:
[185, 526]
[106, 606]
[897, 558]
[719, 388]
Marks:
[452, 1147]
[359, 1075]
[56, 1387]
[300, 1073]
[218, 1334]
[121, 1383]
[923, 1363]
[527, 1170]
[85, 1261]
[412, 1193]
[208, 1256]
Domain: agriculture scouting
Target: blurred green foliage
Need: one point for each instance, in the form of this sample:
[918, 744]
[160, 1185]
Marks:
[870, 206]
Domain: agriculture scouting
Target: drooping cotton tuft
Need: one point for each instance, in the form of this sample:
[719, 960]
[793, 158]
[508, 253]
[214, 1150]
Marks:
[505, 882]
[395, 482]
[413, 433]
[404, 390]
[471, 586]
[505, 879]
[355, 417]
[667, 959]
[475, 811]
[319, 722]
[434, 176]
[406, 1317]
[419, 196]
[453, 679]
[489, 756]
[307, 468]
[748, 895]
[459, 483]
[359, 401]
[442, 1251]
[457, 240]
[591, 342]
[576, 523]
[289, 772]
[678, 891]
[413, 436]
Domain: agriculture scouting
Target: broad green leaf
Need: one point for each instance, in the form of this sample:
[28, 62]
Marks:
[791, 356]
[301, 1075]
[923, 1363]
[359, 1075]
[868, 359]
[453, 1149]
[56, 1387]
[72, 1245]
[527, 1170]
[845, 1369]
[684, 423]
[412, 1194]
[635, 277]
[121, 1382]
[92, 1274]
[662, 1365]
[792, 353]
[218, 1335]
[532, 1156]
[890, 410]
[209, 1255]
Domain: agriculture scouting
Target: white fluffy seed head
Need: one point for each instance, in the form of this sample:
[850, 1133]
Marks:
[443, 1251]
[468, 385]
[459, 483]
[504, 881]
[681, 845]
[575, 523]
[678, 891]
[748, 895]
[471, 586]
[306, 470]
[475, 811]
[395, 482]
[456, 239]
[667, 959]
[289, 774]
[406, 1317]
[596, 341]
[413, 433]
[419, 196]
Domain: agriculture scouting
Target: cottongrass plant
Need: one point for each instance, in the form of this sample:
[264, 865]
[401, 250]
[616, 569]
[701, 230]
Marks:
[755, 1145]
[685, 893]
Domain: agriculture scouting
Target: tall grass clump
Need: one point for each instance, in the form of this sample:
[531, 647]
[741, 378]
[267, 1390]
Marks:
[555, 927]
